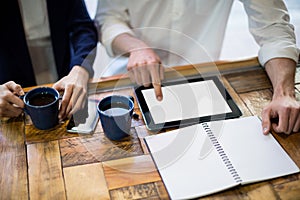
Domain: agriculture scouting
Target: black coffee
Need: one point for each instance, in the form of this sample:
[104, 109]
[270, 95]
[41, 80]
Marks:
[41, 99]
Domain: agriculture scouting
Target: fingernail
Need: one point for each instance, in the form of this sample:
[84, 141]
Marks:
[159, 98]
[265, 130]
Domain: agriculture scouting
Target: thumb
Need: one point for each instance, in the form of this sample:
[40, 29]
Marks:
[15, 88]
[266, 121]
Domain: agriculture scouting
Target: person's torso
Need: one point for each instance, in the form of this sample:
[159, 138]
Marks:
[188, 31]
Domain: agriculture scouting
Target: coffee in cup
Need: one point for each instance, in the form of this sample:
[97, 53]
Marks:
[115, 113]
[42, 105]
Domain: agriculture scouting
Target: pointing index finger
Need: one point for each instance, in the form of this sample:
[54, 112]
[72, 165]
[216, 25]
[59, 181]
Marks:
[156, 82]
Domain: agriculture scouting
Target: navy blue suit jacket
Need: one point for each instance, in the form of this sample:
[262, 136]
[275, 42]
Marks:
[73, 34]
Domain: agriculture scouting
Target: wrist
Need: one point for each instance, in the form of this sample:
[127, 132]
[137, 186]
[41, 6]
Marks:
[281, 91]
[79, 71]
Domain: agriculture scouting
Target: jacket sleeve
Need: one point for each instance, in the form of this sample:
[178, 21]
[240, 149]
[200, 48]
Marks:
[84, 37]
[269, 23]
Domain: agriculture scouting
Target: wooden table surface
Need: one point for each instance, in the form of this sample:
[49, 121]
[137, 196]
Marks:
[55, 164]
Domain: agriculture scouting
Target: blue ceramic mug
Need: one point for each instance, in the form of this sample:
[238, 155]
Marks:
[42, 105]
[115, 113]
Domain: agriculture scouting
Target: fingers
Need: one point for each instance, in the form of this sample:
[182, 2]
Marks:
[65, 102]
[162, 72]
[146, 80]
[79, 98]
[147, 74]
[10, 94]
[296, 127]
[293, 116]
[282, 115]
[15, 88]
[266, 121]
[10, 104]
[156, 81]
[73, 100]
[9, 110]
[282, 125]
[131, 75]
[137, 75]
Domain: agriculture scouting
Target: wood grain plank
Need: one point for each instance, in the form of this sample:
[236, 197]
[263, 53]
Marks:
[256, 100]
[86, 182]
[130, 171]
[34, 135]
[258, 191]
[291, 144]
[245, 111]
[290, 190]
[97, 148]
[278, 182]
[143, 191]
[230, 194]
[45, 172]
[249, 80]
[162, 191]
[13, 167]
[142, 132]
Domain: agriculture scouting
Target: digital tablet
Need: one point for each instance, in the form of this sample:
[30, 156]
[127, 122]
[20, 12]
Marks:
[185, 102]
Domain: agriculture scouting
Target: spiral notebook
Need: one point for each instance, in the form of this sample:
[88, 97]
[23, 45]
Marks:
[213, 156]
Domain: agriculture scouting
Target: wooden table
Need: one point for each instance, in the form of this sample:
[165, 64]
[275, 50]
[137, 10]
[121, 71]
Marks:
[58, 165]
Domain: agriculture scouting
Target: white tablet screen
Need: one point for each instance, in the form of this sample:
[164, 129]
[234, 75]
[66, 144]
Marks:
[186, 101]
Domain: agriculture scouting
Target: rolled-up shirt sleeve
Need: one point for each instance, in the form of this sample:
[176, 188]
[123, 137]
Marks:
[269, 23]
[113, 20]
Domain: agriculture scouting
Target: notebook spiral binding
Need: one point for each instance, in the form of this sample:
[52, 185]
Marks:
[221, 152]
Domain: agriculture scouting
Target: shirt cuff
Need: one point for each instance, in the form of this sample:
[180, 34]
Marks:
[268, 52]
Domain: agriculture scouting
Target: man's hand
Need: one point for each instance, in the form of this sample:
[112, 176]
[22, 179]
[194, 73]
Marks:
[74, 86]
[286, 110]
[284, 106]
[144, 67]
[10, 104]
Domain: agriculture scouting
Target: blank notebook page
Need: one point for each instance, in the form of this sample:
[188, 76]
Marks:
[184, 174]
[254, 155]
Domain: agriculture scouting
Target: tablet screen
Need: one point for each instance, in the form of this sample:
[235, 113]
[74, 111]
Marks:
[186, 102]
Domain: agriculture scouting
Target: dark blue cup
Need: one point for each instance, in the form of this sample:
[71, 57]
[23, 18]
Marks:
[115, 113]
[42, 105]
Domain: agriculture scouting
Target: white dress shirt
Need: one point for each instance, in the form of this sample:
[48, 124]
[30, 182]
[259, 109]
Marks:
[193, 31]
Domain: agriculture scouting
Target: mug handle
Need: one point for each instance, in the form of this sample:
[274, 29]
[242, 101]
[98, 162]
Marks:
[131, 98]
[24, 109]
[134, 115]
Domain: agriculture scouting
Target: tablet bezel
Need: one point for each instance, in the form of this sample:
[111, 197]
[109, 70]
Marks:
[149, 122]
